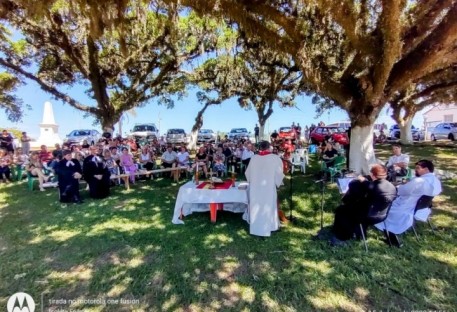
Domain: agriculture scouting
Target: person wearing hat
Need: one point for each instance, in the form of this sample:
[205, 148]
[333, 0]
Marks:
[69, 172]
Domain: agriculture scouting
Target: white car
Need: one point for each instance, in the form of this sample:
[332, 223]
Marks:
[445, 130]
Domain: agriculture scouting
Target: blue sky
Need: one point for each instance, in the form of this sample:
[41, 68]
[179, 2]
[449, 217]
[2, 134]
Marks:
[219, 118]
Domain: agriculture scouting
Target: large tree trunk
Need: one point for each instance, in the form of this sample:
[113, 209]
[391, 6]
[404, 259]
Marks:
[361, 153]
[197, 125]
[262, 129]
[263, 117]
[108, 125]
[406, 136]
[192, 145]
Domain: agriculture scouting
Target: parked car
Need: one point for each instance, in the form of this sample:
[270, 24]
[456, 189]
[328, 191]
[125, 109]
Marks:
[206, 135]
[176, 136]
[337, 134]
[76, 137]
[287, 133]
[394, 133]
[445, 130]
[143, 131]
[238, 133]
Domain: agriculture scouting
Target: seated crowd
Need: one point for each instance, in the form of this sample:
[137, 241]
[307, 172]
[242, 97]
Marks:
[368, 201]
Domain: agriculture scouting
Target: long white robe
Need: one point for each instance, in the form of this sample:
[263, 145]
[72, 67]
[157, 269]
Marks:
[401, 214]
[264, 174]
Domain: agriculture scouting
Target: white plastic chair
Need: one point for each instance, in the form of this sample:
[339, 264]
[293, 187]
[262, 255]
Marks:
[304, 155]
[298, 161]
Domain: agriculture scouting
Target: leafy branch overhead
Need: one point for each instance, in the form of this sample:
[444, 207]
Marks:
[9, 102]
[358, 54]
[254, 75]
[124, 53]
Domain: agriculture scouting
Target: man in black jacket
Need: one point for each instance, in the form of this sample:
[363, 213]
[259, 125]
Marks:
[69, 172]
[366, 202]
[96, 174]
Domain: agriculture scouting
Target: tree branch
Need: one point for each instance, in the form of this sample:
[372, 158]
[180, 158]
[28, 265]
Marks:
[48, 88]
[389, 29]
[421, 60]
[429, 11]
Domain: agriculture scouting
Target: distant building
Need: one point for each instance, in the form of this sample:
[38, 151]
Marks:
[49, 130]
[438, 114]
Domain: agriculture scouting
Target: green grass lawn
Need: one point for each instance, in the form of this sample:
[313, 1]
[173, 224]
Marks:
[125, 247]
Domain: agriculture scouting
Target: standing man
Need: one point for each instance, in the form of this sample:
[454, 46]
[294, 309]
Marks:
[25, 141]
[256, 133]
[264, 175]
[6, 141]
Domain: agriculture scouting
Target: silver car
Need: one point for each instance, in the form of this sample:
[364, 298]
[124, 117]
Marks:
[445, 130]
[238, 134]
[76, 137]
[176, 136]
[206, 135]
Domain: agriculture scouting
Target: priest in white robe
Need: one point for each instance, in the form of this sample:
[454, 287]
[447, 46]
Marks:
[401, 214]
[264, 174]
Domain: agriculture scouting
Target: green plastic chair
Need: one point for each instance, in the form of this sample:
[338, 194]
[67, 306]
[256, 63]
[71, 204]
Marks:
[338, 165]
[31, 181]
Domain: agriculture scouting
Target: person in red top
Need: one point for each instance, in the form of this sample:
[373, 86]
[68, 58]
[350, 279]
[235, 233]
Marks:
[44, 155]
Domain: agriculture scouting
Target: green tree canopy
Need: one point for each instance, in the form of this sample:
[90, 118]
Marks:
[359, 54]
[123, 53]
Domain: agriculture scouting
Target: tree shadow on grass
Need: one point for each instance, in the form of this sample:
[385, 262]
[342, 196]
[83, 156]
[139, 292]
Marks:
[126, 247]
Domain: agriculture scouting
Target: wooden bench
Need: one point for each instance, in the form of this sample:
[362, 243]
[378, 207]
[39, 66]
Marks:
[126, 176]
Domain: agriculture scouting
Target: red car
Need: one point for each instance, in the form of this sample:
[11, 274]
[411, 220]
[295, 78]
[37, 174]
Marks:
[287, 133]
[337, 134]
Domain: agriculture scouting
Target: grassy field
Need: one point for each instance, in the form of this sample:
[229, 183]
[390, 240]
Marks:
[125, 248]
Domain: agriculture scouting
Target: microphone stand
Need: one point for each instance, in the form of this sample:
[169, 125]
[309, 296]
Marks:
[322, 182]
[321, 234]
[291, 202]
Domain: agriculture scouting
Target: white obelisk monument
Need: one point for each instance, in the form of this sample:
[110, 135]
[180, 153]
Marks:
[49, 135]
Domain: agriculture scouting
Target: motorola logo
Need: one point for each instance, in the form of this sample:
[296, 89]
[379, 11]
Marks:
[20, 302]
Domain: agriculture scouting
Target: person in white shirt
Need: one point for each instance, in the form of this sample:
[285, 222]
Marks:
[397, 165]
[169, 158]
[246, 154]
[401, 214]
[265, 175]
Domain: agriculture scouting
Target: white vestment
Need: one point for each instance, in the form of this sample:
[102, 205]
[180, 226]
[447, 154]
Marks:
[401, 214]
[264, 174]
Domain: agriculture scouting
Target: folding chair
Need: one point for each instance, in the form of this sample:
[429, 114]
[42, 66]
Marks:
[383, 220]
[424, 202]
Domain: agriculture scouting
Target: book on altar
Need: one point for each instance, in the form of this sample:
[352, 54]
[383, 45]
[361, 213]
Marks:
[243, 186]
[343, 184]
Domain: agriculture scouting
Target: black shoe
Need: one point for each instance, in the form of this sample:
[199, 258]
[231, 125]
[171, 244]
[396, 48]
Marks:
[77, 200]
[335, 242]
